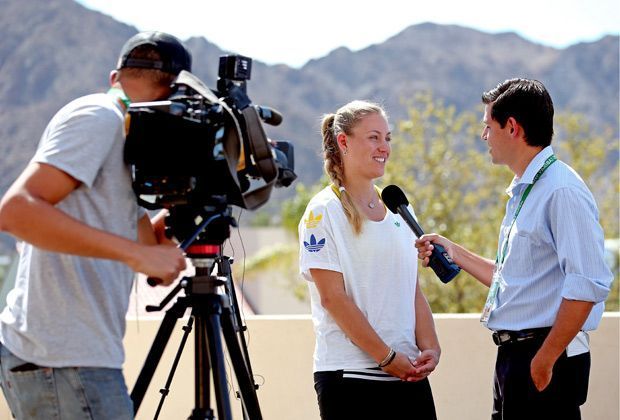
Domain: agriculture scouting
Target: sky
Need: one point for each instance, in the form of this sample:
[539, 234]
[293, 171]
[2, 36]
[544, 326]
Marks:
[295, 31]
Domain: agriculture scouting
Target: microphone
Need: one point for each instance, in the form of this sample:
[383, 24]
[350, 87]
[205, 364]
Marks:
[439, 261]
[269, 115]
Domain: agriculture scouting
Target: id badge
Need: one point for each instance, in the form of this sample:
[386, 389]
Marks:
[490, 302]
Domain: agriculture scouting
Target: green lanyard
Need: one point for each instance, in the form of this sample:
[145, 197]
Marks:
[548, 162]
[120, 96]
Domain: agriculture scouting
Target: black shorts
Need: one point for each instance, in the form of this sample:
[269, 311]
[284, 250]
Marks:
[348, 398]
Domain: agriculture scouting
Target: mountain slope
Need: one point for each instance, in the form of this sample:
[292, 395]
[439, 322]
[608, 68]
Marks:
[56, 50]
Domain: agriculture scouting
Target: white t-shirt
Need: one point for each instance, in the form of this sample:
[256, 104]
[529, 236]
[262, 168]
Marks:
[379, 268]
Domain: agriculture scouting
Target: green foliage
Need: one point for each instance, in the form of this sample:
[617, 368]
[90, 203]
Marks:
[293, 209]
[595, 158]
[444, 168]
[438, 159]
[282, 258]
[443, 165]
[261, 219]
[285, 258]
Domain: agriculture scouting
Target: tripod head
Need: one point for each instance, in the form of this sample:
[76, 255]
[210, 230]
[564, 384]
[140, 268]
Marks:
[205, 224]
[201, 230]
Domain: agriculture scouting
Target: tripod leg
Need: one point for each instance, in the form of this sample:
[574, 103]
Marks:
[233, 328]
[216, 355]
[233, 309]
[164, 391]
[202, 369]
[155, 353]
[241, 366]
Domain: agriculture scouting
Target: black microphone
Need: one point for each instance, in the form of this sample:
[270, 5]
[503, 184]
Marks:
[269, 115]
[439, 261]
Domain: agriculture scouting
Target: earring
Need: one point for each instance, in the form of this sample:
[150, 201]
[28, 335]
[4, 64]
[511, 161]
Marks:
[344, 152]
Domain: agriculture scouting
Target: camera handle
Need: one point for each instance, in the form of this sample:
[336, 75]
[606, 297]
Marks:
[153, 281]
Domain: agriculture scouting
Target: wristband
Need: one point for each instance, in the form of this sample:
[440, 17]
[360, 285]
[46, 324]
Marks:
[388, 359]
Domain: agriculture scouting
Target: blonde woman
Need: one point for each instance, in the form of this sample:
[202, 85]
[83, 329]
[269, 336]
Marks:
[375, 337]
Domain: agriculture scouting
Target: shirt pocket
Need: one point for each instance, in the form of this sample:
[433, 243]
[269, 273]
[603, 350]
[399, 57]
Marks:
[519, 262]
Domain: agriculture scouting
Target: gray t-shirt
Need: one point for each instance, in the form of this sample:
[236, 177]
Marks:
[67, 310]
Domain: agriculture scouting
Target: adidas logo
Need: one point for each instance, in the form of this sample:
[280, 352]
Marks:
[314, 246]
[312, 221]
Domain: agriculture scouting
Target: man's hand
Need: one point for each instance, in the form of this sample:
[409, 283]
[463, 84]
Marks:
[475, 265]
[541, 370]
[425, 247]
[164, 262]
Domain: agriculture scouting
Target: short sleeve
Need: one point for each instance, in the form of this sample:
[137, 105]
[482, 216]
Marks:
[317, 245]
[79, 138]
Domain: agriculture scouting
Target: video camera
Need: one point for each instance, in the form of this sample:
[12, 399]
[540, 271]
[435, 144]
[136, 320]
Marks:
[201, 146]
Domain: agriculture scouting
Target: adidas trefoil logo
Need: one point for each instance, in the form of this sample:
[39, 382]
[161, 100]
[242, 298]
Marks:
[312, 221]
[314, 246]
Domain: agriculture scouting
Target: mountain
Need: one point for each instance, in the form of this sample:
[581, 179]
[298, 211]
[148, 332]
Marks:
[56, 50]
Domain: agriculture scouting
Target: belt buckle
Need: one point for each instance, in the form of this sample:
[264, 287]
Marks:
[500, 338]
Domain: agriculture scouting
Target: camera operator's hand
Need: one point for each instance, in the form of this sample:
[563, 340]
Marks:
[164, 262]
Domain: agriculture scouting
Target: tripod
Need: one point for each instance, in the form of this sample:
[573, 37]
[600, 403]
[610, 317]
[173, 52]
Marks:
[214, 315]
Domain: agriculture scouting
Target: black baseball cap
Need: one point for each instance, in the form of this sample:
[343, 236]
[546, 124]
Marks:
[174, 56]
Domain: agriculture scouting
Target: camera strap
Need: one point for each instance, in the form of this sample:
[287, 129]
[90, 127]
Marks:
[234, 144]
[259, 144]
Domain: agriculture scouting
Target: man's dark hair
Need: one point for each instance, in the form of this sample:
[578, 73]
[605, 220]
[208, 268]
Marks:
[529, 103]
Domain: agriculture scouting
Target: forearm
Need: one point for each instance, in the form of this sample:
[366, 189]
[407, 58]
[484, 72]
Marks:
[357, 328]
[478, 267]
[425, 333]
[569, 321]
[158, 225]
[41, 224]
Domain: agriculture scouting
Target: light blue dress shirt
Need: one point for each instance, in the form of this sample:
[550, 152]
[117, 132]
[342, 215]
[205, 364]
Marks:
[555, 250]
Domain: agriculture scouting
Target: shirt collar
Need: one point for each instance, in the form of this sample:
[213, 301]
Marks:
[531, 170]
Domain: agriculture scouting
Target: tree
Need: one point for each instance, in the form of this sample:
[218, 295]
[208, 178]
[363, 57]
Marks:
[438, 159]
[284, 258]
[443, 167]
[595, 157]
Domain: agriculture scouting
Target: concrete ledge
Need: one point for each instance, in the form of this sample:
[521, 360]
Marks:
[281, 349]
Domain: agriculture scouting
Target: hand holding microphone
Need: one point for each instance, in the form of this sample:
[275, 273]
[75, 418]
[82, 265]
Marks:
[439, 261]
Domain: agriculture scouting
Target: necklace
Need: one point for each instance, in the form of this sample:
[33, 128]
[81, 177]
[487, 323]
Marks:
[371, 204]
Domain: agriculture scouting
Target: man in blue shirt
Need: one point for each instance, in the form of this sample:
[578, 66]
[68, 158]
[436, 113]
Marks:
[549, 280]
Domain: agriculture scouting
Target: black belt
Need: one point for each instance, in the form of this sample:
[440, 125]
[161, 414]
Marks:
[506, 337]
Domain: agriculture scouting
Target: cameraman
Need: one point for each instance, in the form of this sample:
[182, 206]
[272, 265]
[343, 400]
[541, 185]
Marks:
[61, 332]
